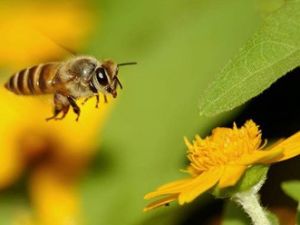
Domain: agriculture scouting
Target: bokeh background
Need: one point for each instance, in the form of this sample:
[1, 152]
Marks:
[97, 171]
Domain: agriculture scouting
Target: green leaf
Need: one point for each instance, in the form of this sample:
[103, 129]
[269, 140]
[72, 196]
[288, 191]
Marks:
[292, 189]
[268, 6]
[269, 54]
[251, 177]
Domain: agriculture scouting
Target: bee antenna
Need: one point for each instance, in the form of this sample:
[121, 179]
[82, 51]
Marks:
[119, 83]
[127, 63]
[123, 64]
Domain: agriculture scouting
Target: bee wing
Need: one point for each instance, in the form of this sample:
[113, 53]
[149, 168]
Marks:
[70, 51]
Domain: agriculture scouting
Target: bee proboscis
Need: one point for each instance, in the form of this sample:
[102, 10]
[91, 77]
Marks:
[80, 76]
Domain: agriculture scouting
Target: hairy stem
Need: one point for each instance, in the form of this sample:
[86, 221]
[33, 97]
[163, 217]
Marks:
[249, 200]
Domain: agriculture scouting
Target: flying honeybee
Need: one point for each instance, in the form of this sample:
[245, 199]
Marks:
[80, 76]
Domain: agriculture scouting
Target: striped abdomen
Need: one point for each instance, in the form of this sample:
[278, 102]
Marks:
[34, 81]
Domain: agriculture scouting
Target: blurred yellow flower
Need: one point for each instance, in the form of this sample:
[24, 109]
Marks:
[221, 159]
[55, 197]
[52, 154]
[29, 29]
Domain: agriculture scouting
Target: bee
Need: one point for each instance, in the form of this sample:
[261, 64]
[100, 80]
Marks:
[80, 76]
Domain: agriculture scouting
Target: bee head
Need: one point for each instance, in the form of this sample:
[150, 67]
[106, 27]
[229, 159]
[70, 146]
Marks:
[106, 77]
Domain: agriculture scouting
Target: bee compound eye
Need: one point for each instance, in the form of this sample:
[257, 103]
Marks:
[101, 76]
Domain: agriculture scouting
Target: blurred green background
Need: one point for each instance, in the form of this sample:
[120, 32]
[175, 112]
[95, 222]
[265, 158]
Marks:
[180, 46]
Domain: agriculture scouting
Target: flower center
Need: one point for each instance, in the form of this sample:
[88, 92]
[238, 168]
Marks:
[224, 146]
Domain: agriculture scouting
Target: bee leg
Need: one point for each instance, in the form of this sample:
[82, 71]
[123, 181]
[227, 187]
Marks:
[64, 112]
[56, 112]
[61, 104]
[95, 91]
[97, 101]
[86, 99]
[105, 99]
[75, 107]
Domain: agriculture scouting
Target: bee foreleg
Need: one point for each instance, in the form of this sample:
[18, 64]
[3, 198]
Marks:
[86, 99]
[95, 91]
[97, 100]
[75, 107]
[105, 99]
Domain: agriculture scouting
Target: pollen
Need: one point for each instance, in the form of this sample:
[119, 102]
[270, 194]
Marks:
[223, 147]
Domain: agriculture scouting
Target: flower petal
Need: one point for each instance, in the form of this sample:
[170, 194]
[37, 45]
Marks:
[175, 184]
[170, 188]
[289, 147]
[160, 202]
[231, 175]
[260, 156]
[201, 184]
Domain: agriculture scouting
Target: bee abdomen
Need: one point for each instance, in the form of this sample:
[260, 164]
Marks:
[33, 81]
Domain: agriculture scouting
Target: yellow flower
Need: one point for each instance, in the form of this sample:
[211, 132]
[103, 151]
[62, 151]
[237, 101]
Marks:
[221, 159]
[29, 30]
[56, 200]
[52, 154]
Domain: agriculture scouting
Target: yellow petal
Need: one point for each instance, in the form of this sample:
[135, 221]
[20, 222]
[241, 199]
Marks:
[260, 156]
[231, 175]
[201, 184]
[170, 188]
[289, 147]
[161, 202]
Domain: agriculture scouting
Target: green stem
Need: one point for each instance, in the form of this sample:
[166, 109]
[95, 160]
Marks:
[249, 200]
